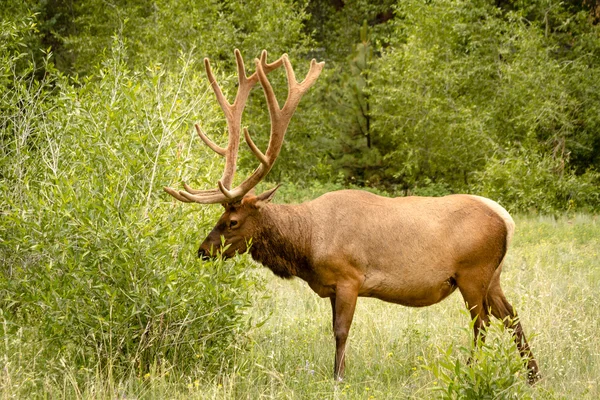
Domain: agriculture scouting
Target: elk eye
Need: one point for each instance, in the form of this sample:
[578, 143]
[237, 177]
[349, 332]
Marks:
[232, 223]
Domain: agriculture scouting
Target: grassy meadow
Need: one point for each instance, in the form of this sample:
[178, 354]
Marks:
[551, 277]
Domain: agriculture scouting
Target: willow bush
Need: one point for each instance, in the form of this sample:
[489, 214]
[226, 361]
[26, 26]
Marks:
[98, 264]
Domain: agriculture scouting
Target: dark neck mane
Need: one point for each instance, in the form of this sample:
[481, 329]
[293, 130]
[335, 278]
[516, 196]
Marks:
[282, 242]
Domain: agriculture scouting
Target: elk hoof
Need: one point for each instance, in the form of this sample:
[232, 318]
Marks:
[533, 377]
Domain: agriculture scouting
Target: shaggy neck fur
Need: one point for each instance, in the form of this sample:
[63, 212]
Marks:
[282, 242]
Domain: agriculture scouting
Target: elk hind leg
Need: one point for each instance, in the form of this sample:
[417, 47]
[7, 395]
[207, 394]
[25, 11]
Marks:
[503, 310]
[473, 290]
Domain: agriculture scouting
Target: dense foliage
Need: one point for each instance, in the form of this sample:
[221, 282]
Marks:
[427, 98]
[97, 101]
[464, 84]
[98, 269]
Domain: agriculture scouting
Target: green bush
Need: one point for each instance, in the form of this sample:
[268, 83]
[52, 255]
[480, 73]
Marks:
[98, 263]
[493, 369]
[462, 81]
[528, 181]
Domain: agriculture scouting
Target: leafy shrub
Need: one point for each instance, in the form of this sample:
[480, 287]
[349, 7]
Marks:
[429, 188]
[462, 79]
[98, 263]
[529, 181]
[493, 369]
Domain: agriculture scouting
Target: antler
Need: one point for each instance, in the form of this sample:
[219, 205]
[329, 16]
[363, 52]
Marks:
[280, 119]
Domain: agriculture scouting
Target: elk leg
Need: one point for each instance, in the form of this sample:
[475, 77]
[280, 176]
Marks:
[343, 305]
[332, 299]
[503, 310]
[473, 294]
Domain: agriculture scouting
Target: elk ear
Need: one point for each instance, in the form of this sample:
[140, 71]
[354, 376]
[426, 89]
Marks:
[267, 196]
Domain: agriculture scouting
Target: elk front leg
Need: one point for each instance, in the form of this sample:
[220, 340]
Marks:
[343, 304]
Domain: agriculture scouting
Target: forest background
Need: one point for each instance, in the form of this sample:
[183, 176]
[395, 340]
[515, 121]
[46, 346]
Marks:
[97, 103]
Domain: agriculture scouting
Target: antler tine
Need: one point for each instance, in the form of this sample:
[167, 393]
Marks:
[199, 192]
[217, 149]
[176, 194]
[215, 86]
[211, 196]
[297, 89]
[202, 196]
[254, 148]
[250, 81]
[233, 115]
[280, 119]
[269, 67]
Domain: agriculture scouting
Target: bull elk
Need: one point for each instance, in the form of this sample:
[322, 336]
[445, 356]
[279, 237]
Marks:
[413, 251]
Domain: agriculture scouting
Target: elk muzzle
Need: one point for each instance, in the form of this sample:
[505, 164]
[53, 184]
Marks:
[204, 254]
[210, 247]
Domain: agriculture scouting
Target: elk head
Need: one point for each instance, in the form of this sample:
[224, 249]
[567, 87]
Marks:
[242, 217]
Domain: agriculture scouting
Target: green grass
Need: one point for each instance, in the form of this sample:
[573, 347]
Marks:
[551, 277]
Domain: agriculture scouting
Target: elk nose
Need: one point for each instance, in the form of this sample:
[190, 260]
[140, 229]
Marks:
[203, 254]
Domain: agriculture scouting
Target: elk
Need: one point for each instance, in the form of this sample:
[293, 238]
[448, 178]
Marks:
[413, 251]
